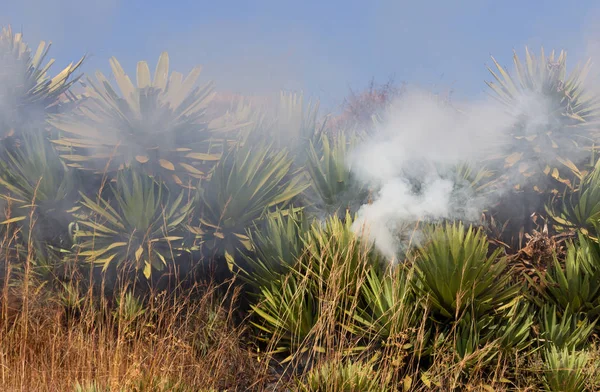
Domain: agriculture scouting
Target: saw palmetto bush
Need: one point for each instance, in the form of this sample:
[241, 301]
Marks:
[296, 121]
[455, 271]
[319, 294]
[140, 227]
[333, 243]
[289, 122]
[336, 262]
[553, 116]
[286, 313]
[386, 315]
[565, 370]
[247, 183]
[27, 93]
[470, 184]
[564, 330]
[553, 131]
[574, 284]
[158, 124]
[386, 295]
[277, 243]
[336, 376]
[476, 341]
[478, 313]
[334, 187]
[40, 191]
[579, 209]
[271, 194]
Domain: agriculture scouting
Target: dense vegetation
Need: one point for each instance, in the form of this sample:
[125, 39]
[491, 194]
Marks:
[154, 241]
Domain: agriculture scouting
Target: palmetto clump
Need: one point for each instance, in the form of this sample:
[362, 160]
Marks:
[141, 230]
[158, 124]
[554, 130]
[27, 93]
[39, 190]
[554, 116]
[346, 377]
[565, 370]
[248, 182]
[335, 188]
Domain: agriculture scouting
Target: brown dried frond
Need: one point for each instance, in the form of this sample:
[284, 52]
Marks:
[538, 254]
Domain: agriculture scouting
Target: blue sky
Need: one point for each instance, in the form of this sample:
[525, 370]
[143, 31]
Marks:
[321, 47]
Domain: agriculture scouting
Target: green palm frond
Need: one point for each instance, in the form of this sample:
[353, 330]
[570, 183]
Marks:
[346, 377]
[333, 245]
[159, 124]
[473, 343]
[565, 370]
[479, 179]
[386, 313]
[277, 243]
[564, 330]
[143, 229]
[512, 326]
[456, 273]
[332, 264]
[291, 122]
[580, 208]
[575, 283]
[389, 303]
[296, 120]
[286, 313]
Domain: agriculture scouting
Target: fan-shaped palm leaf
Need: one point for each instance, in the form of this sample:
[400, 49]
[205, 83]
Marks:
[554, 116]
[158, 124]
[277, 243]
[580, 208]
[455, 271]
[143, 229]
[575, 284]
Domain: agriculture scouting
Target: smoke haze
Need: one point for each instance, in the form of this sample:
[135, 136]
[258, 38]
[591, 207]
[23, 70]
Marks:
[423, 138]
[324, 49]
[412, 159]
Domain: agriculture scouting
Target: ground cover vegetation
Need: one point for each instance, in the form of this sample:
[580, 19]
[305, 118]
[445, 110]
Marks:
[152, 240]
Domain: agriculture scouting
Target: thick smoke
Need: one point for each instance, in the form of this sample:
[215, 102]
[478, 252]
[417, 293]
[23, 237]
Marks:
[413, 157]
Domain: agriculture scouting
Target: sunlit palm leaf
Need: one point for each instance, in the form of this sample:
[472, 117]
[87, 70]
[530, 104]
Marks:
[347, 377]
[159, 125]
[456, 273]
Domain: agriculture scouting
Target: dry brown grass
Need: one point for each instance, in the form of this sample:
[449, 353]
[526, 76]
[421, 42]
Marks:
[188, 339]
[55, 333]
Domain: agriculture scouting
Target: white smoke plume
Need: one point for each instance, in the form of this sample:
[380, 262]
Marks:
[421, 140]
